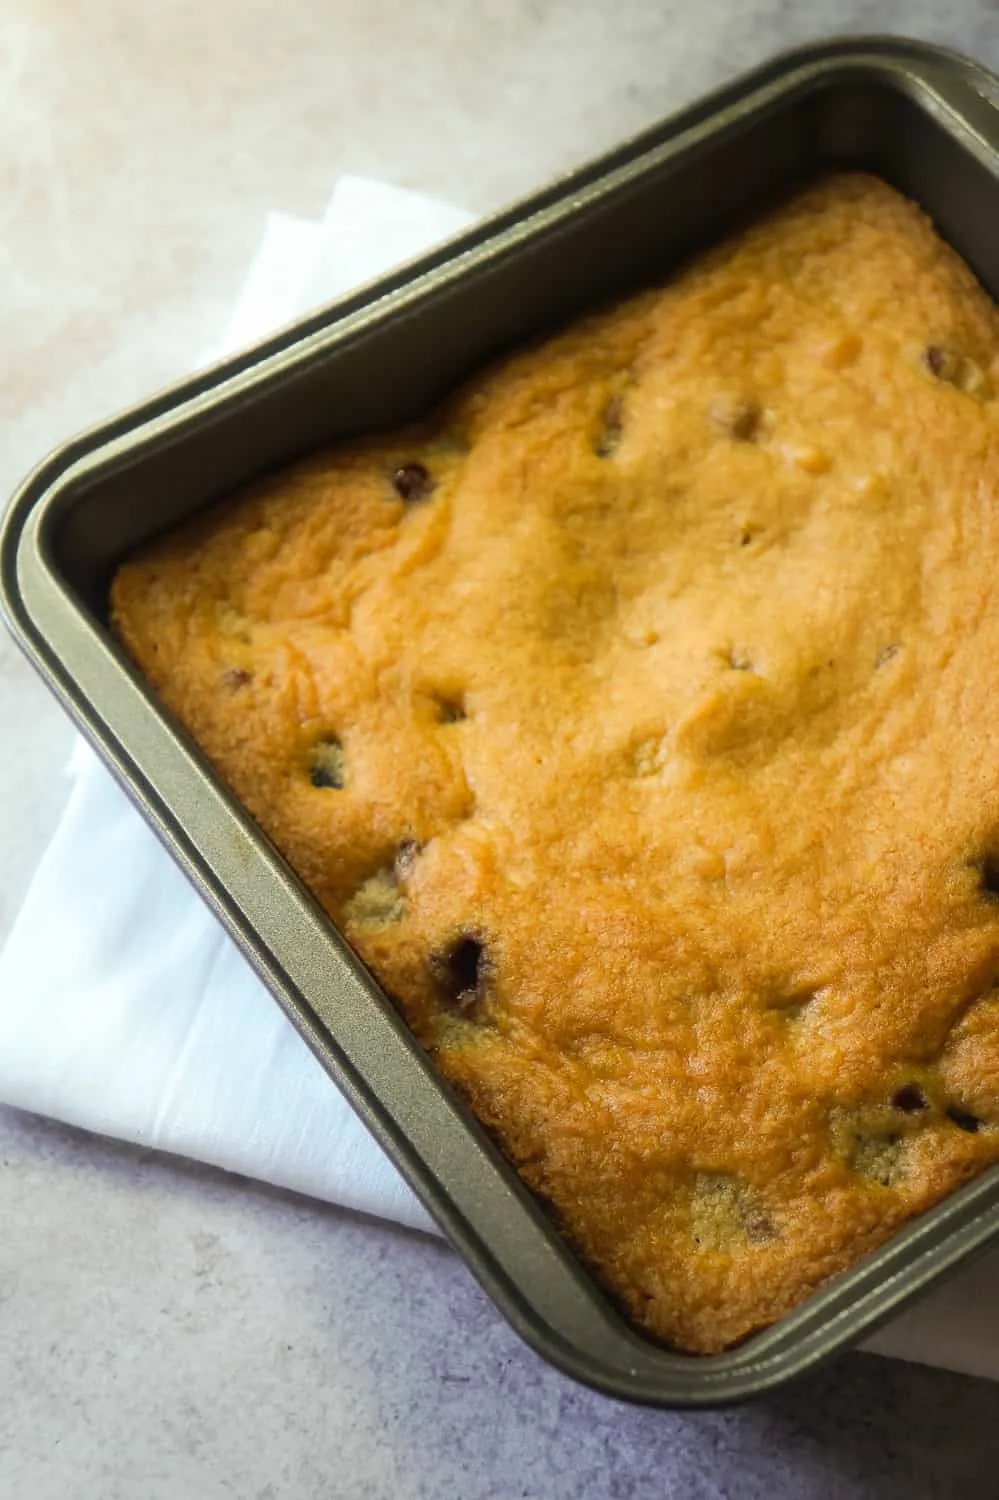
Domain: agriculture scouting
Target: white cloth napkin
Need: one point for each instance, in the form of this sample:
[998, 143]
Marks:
[124, 1007]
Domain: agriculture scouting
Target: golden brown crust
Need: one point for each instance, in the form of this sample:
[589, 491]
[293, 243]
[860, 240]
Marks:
[639, 736]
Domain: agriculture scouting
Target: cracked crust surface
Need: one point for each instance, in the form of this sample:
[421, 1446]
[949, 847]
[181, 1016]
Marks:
[632, 716]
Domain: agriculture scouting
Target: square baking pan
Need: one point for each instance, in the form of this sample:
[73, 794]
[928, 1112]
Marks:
[922, 118]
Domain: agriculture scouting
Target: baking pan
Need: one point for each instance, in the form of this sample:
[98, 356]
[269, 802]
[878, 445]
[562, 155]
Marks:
[924, 119]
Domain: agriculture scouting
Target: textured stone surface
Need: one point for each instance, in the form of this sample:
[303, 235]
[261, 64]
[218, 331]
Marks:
[166, 1332]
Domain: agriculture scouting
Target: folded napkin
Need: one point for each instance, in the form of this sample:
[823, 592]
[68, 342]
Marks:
[124, 1007]
[142, 1020]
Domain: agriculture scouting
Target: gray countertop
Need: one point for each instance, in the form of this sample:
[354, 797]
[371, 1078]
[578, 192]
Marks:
[166, 1331]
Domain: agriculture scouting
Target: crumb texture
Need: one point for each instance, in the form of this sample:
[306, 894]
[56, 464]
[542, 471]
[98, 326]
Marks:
[632, 717]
